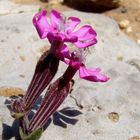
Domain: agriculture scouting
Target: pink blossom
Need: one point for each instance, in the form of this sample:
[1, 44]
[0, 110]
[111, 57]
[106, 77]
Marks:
[62, 29]
[76, 60]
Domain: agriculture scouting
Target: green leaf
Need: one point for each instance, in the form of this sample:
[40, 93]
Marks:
[19, 115]
[40, 9]
[21, 133]
[34, 135]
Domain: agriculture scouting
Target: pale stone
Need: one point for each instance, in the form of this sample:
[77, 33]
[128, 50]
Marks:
[113, 116]
[129, 29]
[124, 24]
[138, 41]
[121, 94]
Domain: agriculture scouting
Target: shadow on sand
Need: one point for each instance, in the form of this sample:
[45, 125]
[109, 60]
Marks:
[86, 7]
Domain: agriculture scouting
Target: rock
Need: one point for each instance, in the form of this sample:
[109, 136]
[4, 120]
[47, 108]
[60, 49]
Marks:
[95, 3]
[11, 91]
[124, 24]
[113, 116]
[120, 94]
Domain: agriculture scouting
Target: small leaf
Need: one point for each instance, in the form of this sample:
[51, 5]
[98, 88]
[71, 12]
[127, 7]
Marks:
[17, 115]
[21, 133]
[40, 9]
[34, 135]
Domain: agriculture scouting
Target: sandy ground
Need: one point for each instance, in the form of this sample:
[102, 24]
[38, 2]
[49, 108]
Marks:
[130, 10]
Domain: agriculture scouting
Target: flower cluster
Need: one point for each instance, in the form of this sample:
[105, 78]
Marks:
[59, 31]
[63, 29]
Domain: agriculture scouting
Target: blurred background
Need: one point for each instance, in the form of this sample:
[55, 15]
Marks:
[125, 12]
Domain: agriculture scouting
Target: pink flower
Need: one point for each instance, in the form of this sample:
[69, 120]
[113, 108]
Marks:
[76, 60]
[62, 29]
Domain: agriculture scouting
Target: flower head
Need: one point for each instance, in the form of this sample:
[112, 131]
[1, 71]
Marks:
[76, 59]
[62, 29]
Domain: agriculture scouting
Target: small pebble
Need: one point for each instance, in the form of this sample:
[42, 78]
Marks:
[22, 76]
[134, 138]
[95, 132]
[120, 58]
[138, 41]
[137, 19]
[96, 108]
[103, 40]
[18, 47]
[124, 24]
[123, 9]
[129, 29]
[22, 58]
[21, 12]
[2, 40]
[113, 116]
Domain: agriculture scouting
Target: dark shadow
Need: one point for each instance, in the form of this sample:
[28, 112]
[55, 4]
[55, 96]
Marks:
[44, 1]
[35, 107]
[11, 131]
[65, 116]
[60, 118]
[47, 124]
[86, 7]
[8, 101]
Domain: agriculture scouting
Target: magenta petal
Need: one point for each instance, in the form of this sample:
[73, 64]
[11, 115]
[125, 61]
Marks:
[41, 24]
[70, 38]
[72, 23]
[65, 52]
[65, 56]
[52, 36]
[56, 19]
[86, 37]
[92, 75]
[84, 44]
[85, 32]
